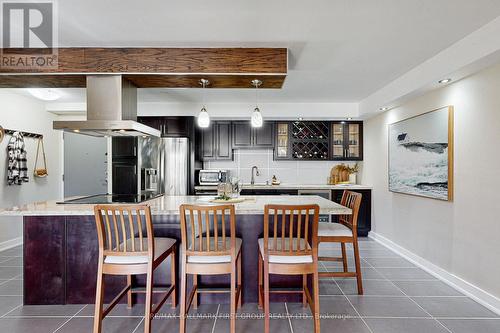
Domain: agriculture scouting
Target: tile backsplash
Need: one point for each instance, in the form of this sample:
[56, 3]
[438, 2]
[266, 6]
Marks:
[288, 172]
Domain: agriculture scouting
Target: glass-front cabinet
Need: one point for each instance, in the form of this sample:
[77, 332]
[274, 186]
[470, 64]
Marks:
[347, 141]
[319, 140]
[338, 151]
[282, 149]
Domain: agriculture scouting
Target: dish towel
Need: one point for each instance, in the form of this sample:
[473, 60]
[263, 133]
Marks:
[17, 170]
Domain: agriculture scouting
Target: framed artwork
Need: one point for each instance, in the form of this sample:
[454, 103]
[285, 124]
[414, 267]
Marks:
[421, 155]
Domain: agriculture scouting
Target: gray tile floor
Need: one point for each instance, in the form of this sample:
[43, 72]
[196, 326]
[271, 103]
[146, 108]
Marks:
[399, 297]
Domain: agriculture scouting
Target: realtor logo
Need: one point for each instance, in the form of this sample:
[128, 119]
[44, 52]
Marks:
[29, 35]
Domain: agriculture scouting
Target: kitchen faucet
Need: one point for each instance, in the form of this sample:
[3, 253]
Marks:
[252, 182]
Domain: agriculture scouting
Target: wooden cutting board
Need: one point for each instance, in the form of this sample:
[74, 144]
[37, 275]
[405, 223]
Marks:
[232, 200]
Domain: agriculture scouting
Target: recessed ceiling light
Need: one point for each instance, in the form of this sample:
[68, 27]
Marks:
[349, 118]
[76, 131]
[300, 118]
[385, 108]
[444, 81]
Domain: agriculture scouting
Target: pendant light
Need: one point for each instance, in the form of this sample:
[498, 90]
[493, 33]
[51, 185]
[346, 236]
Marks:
[256, 119]
[203, 118]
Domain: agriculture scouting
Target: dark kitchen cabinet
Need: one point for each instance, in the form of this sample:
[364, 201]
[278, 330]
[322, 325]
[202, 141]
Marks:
[263, 137]
[245, 136]
[216, 142]
[242, 134]
[125, 147]
[169, 126]
[347, 141]
[365, 210]
[124, 177]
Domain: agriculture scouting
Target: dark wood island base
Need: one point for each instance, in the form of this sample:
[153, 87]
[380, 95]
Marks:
[60, 261]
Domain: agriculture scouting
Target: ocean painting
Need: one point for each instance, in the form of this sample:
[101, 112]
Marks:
[420, 160]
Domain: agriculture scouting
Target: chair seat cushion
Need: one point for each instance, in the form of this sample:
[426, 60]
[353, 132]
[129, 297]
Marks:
[215, 259]
[327, 229]
[162, 245]
[286, 259]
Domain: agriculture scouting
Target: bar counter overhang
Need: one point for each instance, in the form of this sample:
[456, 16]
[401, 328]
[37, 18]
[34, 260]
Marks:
[60, 248]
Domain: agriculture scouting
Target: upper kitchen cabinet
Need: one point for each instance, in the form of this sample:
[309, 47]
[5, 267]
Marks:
[169, 126]
[282, 148]
[216, 142]
[347, 141]
[245, 136]
[124, 147]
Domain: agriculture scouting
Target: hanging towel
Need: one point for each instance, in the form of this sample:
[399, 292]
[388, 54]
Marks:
[17, 171]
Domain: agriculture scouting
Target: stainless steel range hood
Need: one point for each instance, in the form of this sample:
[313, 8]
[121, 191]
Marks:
[111, 110]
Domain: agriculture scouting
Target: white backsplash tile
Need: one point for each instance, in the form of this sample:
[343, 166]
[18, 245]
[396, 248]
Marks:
[288, 172]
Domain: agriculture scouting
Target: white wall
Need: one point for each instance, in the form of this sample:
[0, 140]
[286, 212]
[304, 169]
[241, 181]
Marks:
[461, 237]
[27, 114]
[288, 172]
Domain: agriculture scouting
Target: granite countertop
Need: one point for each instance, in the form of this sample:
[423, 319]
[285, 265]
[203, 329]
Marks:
[169, 205]
[291, 187]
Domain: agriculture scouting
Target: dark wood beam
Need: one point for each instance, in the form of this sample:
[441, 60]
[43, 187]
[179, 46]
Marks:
[150, 67]
[158, 60]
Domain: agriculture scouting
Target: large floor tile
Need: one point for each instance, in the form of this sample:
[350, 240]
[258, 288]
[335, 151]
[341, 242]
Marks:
[458, 307]
[426, 288]
[109, 325]
[386, 306]
[370, 287]
[30, 325]
[11, 288]
[406, 325]
[138, 310]
[377, 253]
[249, 310]
[367, 273]
[10, 272]
[46, 310]
[389, 262]
[327, 286]
[12, 262]
[330, 306]
[246, 325]
[405, 274]
[8, 303]
[13, 252]
[352, 325]
[472, 325]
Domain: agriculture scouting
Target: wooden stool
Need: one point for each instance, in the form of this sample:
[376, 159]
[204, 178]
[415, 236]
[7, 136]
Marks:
[290, 253]
[205, 249]
[128, 247]
[346, 231]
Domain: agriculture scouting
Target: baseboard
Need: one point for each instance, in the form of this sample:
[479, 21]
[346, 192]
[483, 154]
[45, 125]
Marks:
[482, 297]
[10, 243]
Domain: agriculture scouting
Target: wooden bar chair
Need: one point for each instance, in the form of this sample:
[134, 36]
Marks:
[207, 250]
[127, 246]
[288, 251]
[346, 231]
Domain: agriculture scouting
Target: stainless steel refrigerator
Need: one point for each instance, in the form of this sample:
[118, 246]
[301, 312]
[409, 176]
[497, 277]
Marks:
[174, 166]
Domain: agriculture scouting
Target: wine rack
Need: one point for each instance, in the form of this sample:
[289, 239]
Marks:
[310, 140]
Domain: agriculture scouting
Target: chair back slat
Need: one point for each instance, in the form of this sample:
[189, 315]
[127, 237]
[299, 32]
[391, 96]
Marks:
[351, 200]
[204, 233]
[122, 232]
[294, 222]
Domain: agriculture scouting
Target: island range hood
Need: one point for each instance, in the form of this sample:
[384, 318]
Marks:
[111, 110]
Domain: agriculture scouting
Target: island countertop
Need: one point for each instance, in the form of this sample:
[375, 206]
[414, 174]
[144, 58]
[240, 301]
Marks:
[169, 205]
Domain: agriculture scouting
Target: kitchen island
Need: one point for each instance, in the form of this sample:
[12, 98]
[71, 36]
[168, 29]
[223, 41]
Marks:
[60, 247]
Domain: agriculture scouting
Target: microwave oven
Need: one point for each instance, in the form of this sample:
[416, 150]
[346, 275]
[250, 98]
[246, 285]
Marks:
[213, 177]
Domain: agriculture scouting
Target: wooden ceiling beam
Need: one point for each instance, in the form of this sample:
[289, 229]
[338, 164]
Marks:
[150, 67]
[157, 60]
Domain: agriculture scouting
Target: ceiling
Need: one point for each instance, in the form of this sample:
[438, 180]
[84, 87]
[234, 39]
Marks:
[340, 50]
